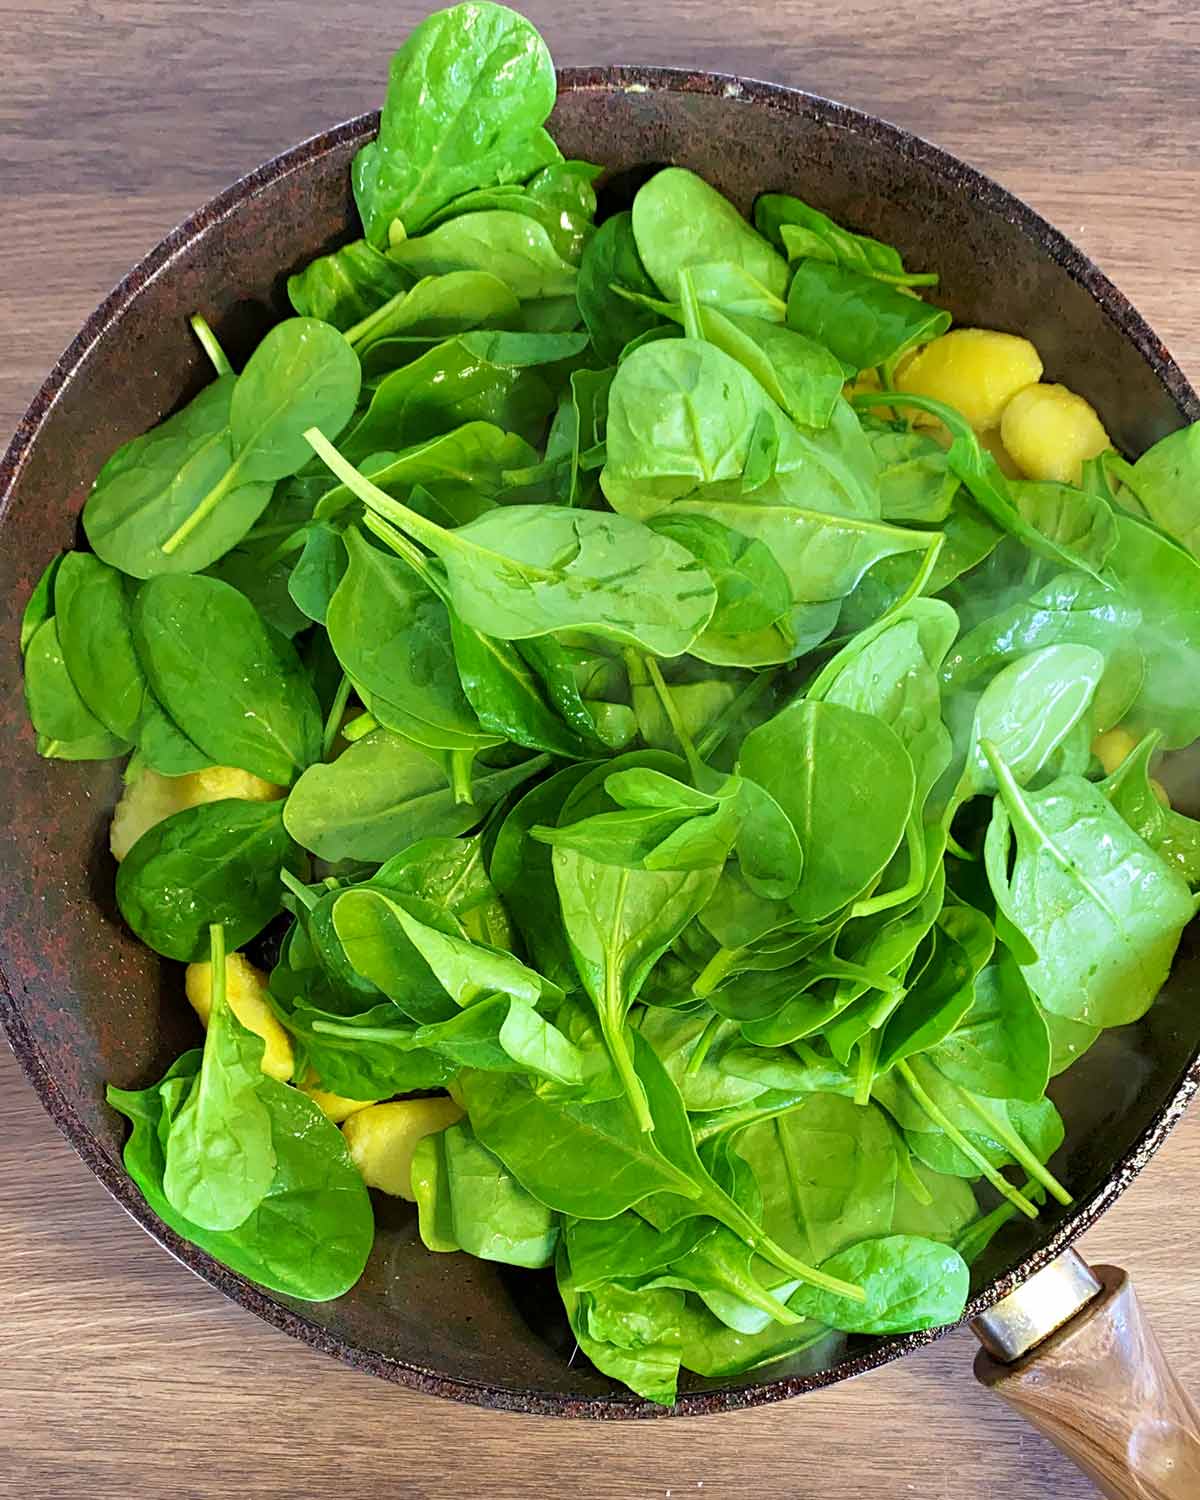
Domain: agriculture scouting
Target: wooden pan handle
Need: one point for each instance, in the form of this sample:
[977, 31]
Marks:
[1102, 1391]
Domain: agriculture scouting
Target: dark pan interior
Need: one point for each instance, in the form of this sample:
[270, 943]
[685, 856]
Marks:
[84, 1003]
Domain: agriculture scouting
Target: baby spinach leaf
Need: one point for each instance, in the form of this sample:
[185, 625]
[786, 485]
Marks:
[231, 684]
[259, 571]
[344, 287]
[383, 794]
[1165, 479]
[1164, 584]
[392, 635]
[66, 728]
[97, 643]
[752, 589]
[151, 487]
[467, 95]
[412, 322]
[1173, 837]
[1001, 1047]
[464, 470]
[215, 863]
[1027, 711]
[487, 1211]
[803, 231]
[813, 758]
[40, 605]
[910, 1283]
[530, 569]
[507, 696]
[1102, 912]
[510, 246]
[372, 1055]
[611, 264]
[310, 1234]
[916, 482]
[469, 378]
[219, 1162]
[862, 320]
[318, 571]
[1069, 517]
[715, 232]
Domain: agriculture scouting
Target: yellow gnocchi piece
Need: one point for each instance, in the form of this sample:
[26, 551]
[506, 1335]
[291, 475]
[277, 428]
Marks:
[334, 1107]
[994, 444]
[975, 370]
[150, 797]
[246, 991]
[1112, 747]
[383, 1137]
[1050, 431]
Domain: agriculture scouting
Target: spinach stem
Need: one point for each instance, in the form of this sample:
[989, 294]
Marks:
[868, 1053]
[914, 839]
[210, 344]
[361, 1033]
[298, 889]
[366, 326]
[227, 482]
[622, 1059]
[359, 726]
[703, 1043]
[461, 764]
[728, 717]
[285, 548]
[907, 1173]
[333, 719]
[1018, 1149]
[997, 1179]
[216, 949]
[715, 970]
[678, 728]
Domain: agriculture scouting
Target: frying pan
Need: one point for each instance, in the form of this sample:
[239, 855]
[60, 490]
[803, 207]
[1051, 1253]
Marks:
[83, 1003]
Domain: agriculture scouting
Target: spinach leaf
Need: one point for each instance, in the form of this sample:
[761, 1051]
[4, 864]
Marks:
[344, 287]
[1102, 912]
[611, 265]
[863, 321]
[383, 794]
[1164, 584]
[318, 571]
[219, 1162]
[803, 231]
[507, 696]
[153, 485]
[310, 1234]
[619, 922]
[411, 322]
[515, 249]
[1173, 837]
[392, 635]
[234, 687]
[217, 863]
[467, 95]
[715, 233]
[814, 758]
[473, 377]
[910, 1283]
[66, 728]
[480, 1207]
[1001, 1047]
[95, 634]
[40, 605]
[752, 589]
[530, 569]
[1164, 481]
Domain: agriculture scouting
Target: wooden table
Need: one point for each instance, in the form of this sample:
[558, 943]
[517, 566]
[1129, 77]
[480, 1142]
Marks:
[121, 1374]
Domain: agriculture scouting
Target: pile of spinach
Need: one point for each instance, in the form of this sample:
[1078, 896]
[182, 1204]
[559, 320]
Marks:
[685, 764]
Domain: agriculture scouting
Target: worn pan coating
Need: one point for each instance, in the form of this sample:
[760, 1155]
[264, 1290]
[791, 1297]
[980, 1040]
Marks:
[83, 1003]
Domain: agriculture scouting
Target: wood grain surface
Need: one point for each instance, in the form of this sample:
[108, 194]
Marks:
[122, 1375]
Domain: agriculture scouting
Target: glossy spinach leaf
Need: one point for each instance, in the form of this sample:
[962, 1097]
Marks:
[217, 863]
[862, 320]
[467, 95]
[345, 286]
[233, 686]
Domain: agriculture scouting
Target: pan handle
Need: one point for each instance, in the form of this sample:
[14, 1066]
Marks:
[1100, 1387]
